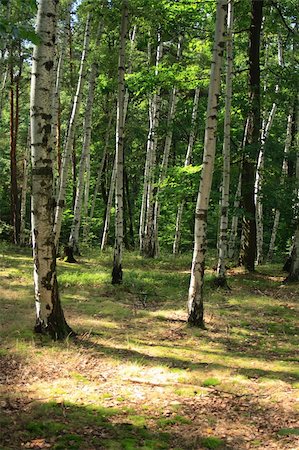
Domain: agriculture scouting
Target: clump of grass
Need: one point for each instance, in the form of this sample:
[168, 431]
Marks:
[177, 419]
[210, 382]
[212, 442]
[288, 432]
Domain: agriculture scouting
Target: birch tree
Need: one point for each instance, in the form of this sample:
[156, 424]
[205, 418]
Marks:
[222, 250]
[69, 140]
[146, 223]
[49, 314]
[119, 155]
[177, 237]
[195, 298]
[85, 158]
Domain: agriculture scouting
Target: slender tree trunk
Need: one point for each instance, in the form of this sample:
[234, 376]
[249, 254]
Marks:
[195, 298]
[24, 192]
[222, 250]
[253, 138]
[69, 141]
[267, 124]
[284, 171]
[14, 128]
[108, 207]
[119, 153]
[146, 226]
[235, 220]
[85, 156]
[113, 175]
[177, 237]
[49, 314]
[100, 171]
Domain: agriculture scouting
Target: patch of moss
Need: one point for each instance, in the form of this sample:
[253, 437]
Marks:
[210, 382]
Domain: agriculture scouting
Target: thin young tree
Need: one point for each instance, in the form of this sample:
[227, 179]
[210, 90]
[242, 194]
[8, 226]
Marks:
[70, 134]
[177, 237]
[222, 245]
[119, 153]
[195, 298]
[49, 314]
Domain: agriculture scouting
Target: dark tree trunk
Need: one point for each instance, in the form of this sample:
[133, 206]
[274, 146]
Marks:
[253, 138]
[14, 125]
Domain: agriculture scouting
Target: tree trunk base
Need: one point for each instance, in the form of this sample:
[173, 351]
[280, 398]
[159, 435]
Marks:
[221, 282]
[195, 318]
[117, 274]
[287, 264]
[69, 255]
[292, 278]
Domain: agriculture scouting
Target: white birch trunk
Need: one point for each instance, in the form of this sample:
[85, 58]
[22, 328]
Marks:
[177, 237]
[283, 174]
[195, 298]
[84, 168]
[49, 314]
[113, 175]
[70, 137]
[259, 173]
[146, 226]
[119, 152]
[222, 249]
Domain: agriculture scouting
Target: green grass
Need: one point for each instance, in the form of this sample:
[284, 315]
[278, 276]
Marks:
[138, 377]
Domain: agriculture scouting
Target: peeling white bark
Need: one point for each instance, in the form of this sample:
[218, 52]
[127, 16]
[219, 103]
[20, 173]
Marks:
[195, 298]
[222, 249]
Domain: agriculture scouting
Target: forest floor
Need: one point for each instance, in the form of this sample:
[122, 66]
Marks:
[136, 376]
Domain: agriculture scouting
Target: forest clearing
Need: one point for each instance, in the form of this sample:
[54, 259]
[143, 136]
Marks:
[137, 376]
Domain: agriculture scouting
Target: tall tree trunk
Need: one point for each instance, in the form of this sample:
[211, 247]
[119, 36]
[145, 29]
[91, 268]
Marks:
[222, 250]
[99, 177]
[49, 314]
[24, 192]
[267, 124]
[119, 152]
[248, 254]
[146, 224]
[284, 172]
[195, 298]
[113, 174]
[14, 128]
[69, 140]
[85, 158]
[235, 220]
[108, 207]
[177, 237]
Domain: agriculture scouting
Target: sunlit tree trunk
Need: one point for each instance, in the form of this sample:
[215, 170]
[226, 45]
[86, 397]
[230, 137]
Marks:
[266, 127]
[69, 140]
[146, 223]
[223, 248]
[154, 245]
[85, 157]
[284, 171]
[195, 298]
[49, 315]
[119, 153]
[248, 252]
[177, 237]
[113, 174]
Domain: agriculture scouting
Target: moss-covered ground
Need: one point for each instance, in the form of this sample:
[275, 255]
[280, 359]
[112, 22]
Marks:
[137, 376]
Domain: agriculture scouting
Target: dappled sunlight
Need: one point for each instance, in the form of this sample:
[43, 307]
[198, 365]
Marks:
[136, 361]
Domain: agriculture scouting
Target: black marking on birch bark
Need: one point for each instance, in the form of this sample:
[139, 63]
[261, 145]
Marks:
[201, 216]
[42, 171]
[49, 65]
